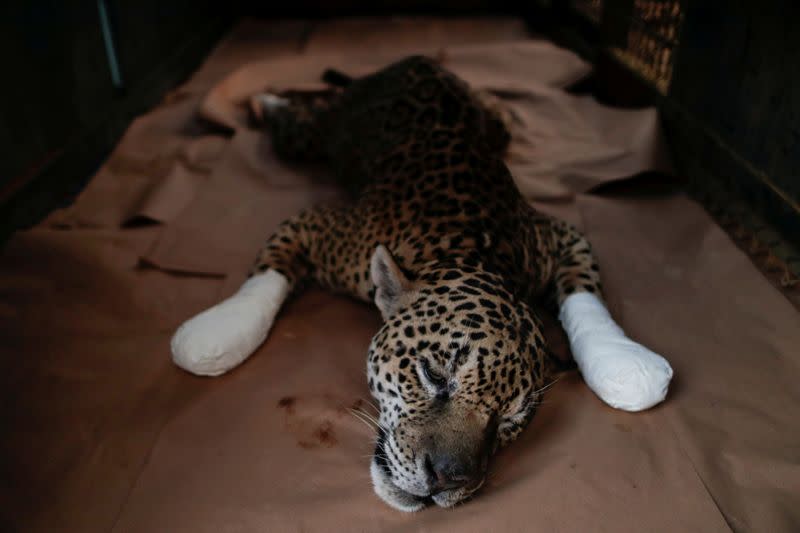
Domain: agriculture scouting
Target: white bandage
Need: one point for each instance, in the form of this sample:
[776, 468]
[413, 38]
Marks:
[223, 336]
[623, 373]
[271, 102]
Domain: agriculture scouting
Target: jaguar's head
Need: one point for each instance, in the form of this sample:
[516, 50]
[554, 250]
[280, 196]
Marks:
[457, 370]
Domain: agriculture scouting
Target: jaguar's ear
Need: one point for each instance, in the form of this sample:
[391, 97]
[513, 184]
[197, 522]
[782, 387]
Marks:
[390, 282]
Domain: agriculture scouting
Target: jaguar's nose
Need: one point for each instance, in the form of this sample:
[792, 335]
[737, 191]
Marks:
[447, 472]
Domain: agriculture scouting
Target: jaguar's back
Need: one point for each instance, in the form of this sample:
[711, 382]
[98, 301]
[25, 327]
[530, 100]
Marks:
[425, 153]
[415, 112]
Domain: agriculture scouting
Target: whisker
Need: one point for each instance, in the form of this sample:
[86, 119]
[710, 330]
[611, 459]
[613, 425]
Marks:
[368, 416]
[377, 423]
[545, 387]
[361, 414]
[382, 426]
[371, 455]
[367, 402]
[363, 420]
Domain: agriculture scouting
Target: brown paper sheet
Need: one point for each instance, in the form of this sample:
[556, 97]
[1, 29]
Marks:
[408, 34]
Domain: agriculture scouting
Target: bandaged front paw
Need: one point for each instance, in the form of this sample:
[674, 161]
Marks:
[623, 373]
[223, 336]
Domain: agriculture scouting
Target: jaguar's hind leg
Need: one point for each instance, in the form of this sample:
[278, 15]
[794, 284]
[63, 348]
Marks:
[223, 336]
[296, 120]
[623, 373]
[498, 120]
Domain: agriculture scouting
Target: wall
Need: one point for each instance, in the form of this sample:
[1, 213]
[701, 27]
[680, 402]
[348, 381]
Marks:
[61, 112]
[736, 91]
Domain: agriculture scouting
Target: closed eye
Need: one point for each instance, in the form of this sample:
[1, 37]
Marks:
[435, 379]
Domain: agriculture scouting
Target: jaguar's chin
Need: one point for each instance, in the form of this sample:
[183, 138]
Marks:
[405, 501]
[449, 498]
[393, 495]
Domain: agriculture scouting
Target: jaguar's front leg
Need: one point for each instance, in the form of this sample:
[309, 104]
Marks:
[623, 373]
[223, 336]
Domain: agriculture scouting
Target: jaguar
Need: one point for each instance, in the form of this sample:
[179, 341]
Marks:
[457, 262]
